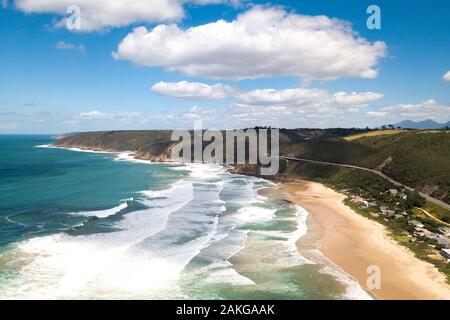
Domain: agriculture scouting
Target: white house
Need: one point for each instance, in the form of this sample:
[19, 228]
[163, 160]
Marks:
[445, 253]
[394, 192]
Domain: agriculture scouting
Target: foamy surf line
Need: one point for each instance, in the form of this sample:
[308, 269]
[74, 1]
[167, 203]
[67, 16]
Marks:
[120, 156]
[104, 213]
[354, 291]
[136, 228]
[104, 265]
[51, 146]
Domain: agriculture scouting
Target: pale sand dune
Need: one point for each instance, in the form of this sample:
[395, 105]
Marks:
[354, 243]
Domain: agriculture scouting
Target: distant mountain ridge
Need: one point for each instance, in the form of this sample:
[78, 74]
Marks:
[425, 124]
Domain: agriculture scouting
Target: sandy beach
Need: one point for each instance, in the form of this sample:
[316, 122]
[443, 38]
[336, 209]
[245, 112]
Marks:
[354, 243]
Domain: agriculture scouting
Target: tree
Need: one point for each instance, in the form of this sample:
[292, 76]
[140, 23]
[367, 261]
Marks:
[415, 200]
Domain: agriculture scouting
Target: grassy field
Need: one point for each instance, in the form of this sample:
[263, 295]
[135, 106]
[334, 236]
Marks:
[438, 212]
[372, 134]
[432, 131]
[431, 223]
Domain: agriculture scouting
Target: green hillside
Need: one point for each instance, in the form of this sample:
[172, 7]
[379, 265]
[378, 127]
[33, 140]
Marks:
[148, 144]
[420, 159]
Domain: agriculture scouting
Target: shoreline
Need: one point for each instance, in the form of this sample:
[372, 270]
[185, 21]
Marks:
[136, 155]
[353, 243]
[341, 238]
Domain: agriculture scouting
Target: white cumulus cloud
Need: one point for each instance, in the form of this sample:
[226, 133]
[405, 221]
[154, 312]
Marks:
[355, 98]
[299, 107]
[198, 113]
[446, 76]
[93, 115]
[377, 113]
[261, 42]
[193, 90]
[61, 45]
[429, 109]
[264, 97]
[105, 14]
[306, 97]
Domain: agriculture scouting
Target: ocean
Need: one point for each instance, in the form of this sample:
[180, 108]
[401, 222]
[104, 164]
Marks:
[92, 225]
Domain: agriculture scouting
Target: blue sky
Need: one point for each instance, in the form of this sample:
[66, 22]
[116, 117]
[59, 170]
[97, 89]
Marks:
[55, 80]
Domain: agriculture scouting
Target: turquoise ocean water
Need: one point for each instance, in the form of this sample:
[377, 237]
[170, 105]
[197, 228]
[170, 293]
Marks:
[92, 225]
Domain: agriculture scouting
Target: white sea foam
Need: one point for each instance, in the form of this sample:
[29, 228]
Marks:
[290, 238]
[74, 267]
[205, 216]
[301, 215]
[222, 247]
[129, 156]
[120, 156]
[152, 193]
[201, 171]
[224, 272]
[81, 150]
[274, 250]
[103, 213]
[353, 290]
[125, 156]
[103, 265]
[50, 146]
[156, 216]
[254, 214]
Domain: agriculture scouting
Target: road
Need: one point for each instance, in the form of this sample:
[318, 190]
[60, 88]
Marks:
[433, 217]
[429, 198]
